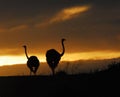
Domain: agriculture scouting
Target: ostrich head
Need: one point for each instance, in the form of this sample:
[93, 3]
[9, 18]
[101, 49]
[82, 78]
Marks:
[63, 39]
[24, 46]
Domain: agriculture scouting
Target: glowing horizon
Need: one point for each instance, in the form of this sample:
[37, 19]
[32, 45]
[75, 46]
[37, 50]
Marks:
[21, 59]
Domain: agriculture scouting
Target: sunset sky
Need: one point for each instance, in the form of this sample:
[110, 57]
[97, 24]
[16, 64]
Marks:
[91, 29]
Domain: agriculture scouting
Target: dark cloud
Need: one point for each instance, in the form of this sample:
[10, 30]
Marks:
[94, 30]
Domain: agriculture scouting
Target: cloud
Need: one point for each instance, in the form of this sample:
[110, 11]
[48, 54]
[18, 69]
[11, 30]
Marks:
[91, 32]
[14, 28]
[65, 14]
[19, 28]
[2, 30]
[69, 13]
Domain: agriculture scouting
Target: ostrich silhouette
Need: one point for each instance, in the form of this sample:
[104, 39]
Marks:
[32, 63]
[53, 57]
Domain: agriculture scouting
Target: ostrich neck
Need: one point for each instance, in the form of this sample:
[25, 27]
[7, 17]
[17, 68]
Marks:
[63, 47]
[26, 53]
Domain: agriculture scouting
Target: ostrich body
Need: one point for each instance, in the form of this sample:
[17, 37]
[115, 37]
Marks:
[53, 57]
[32, 63]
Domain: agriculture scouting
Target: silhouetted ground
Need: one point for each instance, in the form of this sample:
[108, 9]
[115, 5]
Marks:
[105, 83]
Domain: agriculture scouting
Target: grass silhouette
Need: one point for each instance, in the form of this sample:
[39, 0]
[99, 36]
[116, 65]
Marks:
[104, 83]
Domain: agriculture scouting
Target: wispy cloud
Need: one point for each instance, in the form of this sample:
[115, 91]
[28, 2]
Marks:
[19, 28]
[2, 30]
[14, 28]
[69, 13]
[65, 14]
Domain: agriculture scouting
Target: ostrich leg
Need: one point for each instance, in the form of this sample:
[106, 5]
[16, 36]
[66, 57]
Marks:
[53, 72]
[30, 73]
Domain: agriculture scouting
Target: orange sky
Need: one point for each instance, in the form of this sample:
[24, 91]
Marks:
[90, 28]
[21, 59]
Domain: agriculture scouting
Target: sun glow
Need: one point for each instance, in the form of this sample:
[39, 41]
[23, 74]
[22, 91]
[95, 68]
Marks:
[10, 60]
[91, 55]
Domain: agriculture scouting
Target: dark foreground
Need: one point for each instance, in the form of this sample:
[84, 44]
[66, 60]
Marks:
[100, 84]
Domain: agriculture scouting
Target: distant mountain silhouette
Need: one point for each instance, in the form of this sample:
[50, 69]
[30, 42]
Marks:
[75, 67]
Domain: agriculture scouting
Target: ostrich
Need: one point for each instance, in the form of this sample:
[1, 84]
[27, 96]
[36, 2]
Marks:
[32, 63]
[53, 57]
